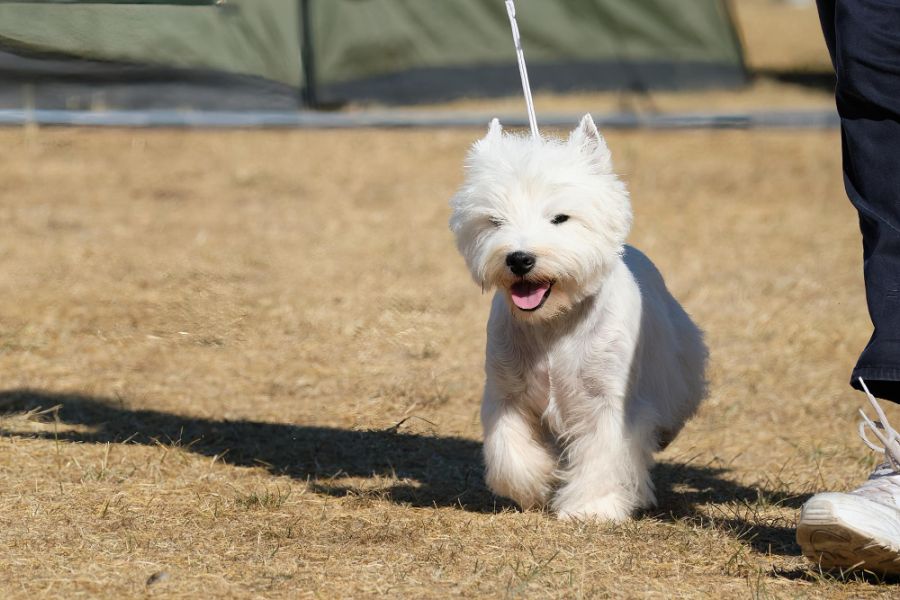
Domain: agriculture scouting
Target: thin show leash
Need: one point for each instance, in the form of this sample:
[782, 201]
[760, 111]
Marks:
[523, 70]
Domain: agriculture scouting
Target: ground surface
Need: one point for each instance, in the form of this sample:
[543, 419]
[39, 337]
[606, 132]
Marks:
[251, 361]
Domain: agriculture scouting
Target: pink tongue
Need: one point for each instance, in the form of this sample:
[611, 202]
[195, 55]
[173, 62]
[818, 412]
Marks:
[528, 296]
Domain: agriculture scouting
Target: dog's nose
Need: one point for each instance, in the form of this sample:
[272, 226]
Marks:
[520, 262]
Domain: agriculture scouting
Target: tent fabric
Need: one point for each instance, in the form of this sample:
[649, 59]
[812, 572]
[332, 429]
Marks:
[357, 39]
[269, 54]
[399, 49]
[58, 82]
[247, 37]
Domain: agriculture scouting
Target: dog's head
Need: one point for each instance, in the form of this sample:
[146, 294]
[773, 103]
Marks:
[541, 220]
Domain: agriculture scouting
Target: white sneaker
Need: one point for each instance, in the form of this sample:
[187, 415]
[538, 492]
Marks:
[859, 529]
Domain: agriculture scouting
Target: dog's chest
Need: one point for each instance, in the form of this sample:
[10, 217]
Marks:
[551, 385]
[537, 389]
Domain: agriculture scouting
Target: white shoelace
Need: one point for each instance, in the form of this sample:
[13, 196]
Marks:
[887, 435]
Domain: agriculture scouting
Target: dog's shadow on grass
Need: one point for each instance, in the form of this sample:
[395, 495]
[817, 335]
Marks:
[423, 470]
[703, 497]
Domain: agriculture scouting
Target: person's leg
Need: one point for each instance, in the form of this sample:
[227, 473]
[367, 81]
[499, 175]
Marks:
[862, 528]
[864, 40]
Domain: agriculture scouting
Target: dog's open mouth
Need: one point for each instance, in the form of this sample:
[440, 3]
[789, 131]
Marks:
[528, 295]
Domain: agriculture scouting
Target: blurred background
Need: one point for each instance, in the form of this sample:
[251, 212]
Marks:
[260, 56]
[241, 357]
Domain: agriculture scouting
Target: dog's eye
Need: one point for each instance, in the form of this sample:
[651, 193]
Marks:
[495, 221]
[559, 219]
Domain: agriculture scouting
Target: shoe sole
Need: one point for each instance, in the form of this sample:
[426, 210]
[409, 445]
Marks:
[848, 532]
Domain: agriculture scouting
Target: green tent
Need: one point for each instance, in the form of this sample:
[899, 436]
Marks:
[280, 54]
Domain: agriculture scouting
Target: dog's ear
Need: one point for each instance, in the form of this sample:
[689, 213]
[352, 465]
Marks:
[490, 140]
[495, 130]
[587, 139]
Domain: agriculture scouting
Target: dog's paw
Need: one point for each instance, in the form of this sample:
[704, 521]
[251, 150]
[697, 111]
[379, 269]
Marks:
[611, 508]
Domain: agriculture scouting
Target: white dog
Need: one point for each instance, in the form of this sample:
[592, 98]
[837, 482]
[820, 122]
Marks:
[591, 364]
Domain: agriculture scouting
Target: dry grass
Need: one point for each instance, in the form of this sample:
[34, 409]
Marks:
[248, 364]
[781, 35]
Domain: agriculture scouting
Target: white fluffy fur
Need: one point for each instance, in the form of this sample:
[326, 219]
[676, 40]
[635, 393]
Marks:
[582, 391]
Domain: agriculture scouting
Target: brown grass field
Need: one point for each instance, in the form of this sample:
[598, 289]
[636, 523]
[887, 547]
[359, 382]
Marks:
[251, 361]
[247, 364]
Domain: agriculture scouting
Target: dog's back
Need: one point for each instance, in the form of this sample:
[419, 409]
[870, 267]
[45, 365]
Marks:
[672, 365]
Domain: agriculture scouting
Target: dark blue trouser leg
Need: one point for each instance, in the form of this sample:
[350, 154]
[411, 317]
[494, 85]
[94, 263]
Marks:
[863, 37]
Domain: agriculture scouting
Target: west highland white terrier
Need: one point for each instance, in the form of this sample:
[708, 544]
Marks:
[592, 366]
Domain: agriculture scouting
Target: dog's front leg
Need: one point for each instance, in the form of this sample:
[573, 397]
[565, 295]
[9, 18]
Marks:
[518, 465]
[607, 474]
